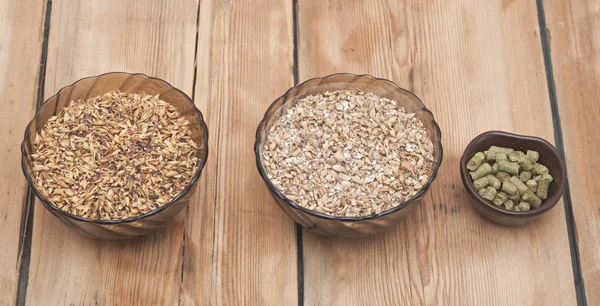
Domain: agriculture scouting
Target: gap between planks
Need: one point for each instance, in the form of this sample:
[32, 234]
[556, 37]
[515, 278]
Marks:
[29, 207]
[185, 223]
[558, 138]
[299, 239]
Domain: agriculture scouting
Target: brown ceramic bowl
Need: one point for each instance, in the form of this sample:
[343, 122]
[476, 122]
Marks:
[348, 226]
[549, 157]
[129, 83]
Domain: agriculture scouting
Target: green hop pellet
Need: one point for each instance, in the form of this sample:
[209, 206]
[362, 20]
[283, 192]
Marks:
[524, 206]
[532, 199]
[508, 167]
[536, 177]
[516, 208]
[490, 193]
[543, 185]
[495, 168]
[515, 156]
[515, 198]
[500, 198]
[501, 149]
[492, 156]
[481, 191]
[533, 155]
[482, 171]
[509, 188]
[520, 185]
[502, 176]
[525, 176]
[476, 161]
[533, 185]
[526, 164]
[509, 204]
[539, 169]
[481, 183]
[494, 181]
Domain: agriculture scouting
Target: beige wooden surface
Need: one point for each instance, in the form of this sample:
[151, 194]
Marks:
[21, 34]
[574, 28]
[478, 65]
[240, 248]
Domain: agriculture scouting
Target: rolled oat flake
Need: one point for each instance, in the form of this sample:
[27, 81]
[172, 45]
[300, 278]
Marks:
[348, 153]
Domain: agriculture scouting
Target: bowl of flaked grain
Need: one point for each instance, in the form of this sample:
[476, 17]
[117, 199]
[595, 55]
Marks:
[116, 155]
[348, 155]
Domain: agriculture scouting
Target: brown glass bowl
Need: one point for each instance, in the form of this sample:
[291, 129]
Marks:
[348, 226]
[549, 157]
[128, 83]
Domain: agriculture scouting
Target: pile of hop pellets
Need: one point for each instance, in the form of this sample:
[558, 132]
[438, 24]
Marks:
[510, 178]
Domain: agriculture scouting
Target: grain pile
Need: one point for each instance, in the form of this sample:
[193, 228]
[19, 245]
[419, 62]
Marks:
[114, 156]
[348, 153]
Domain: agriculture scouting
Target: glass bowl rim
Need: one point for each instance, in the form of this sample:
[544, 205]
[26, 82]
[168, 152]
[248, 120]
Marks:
[195, 179]
[293, 204]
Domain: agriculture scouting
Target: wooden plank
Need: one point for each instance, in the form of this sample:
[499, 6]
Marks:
[240, 247]
[21, 35]
[478, 66]
[89, 38]
[574, 28]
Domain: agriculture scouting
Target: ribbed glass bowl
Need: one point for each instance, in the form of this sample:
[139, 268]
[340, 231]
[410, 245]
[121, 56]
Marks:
[347, 226]
[128, 83]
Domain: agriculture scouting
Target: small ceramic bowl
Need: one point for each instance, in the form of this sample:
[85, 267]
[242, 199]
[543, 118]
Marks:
[128, 83]
[549, 156]
[347, 226]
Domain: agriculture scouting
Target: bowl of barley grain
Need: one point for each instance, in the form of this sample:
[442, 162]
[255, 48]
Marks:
[116, 155]
[348, 155]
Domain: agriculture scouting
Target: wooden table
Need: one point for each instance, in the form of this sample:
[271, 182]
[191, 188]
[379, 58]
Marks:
[520, 66]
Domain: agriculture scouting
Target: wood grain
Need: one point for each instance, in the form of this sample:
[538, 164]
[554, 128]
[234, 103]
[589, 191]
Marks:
[478, 66]
[240, 247]
[574, 28]
[90, 38]
[21, 35]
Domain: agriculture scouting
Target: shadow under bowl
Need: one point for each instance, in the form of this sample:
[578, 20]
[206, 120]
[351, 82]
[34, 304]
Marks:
[128, 83]
[347, 226]
[549, 156]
